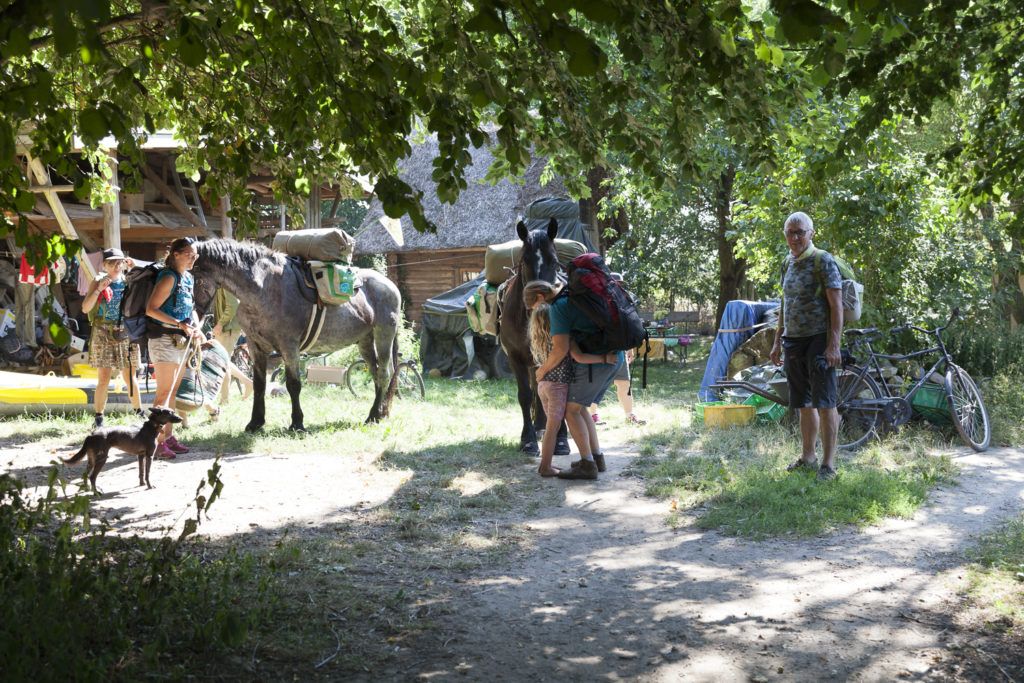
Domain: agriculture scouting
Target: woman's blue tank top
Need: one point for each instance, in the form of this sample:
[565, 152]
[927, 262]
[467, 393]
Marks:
[180, 303]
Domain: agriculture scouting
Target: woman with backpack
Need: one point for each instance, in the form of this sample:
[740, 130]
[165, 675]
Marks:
[170, 328]
[109, 346]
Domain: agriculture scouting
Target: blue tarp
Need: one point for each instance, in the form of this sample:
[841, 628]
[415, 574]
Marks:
[741, 316]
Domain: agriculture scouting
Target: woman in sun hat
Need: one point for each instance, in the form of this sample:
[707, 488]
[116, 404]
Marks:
[109, 346]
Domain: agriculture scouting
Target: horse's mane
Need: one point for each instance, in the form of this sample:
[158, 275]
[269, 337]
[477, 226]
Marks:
[244, 255]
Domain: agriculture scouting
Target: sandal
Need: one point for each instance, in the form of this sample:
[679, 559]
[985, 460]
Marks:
[633, 419]
[802, 464]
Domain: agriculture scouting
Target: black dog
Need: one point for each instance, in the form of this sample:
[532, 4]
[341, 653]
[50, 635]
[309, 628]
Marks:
[140, 441]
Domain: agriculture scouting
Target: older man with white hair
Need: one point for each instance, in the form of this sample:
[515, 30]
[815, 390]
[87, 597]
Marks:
[810, 327]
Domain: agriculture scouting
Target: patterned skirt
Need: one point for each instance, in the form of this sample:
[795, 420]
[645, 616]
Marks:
[107, 352]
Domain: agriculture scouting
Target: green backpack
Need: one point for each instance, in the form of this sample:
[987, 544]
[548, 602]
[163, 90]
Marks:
[852, 291]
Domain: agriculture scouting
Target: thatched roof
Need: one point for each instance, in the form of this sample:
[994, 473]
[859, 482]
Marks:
[484, 213]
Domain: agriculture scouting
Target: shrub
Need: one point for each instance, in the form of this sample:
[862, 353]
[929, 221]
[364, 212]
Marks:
[84, 605]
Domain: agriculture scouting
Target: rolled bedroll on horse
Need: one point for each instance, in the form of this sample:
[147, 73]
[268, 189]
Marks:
[323, 244]
[572, 240]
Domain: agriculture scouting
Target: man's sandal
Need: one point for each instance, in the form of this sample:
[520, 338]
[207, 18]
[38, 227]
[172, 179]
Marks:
[802, 464]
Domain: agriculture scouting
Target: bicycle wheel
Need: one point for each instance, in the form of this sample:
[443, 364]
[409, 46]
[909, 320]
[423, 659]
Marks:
[410, 383]
[359, 380]
[967, 409]
[857, 422]
[243, 361]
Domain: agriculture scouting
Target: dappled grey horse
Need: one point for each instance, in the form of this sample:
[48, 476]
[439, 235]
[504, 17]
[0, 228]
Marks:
[274, 312]
[538, 261]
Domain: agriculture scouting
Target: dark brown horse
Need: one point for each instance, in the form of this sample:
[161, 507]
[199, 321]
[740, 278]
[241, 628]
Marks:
[538, 261]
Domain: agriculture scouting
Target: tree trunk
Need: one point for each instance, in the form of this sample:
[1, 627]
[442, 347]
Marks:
[732, 271]
[610, 229]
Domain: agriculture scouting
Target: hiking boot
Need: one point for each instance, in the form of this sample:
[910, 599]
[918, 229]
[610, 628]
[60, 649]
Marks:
[599, 461]
[826, 473]
[172, 443]
[802, 464]
[98, 420]
[164, 453]
[581, 469]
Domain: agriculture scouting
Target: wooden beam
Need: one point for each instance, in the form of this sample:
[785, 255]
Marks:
[173, 198]
[39, 189]
[67, 228]
[112, 209]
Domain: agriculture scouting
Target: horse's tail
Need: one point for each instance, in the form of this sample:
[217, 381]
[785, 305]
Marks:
[389, 396]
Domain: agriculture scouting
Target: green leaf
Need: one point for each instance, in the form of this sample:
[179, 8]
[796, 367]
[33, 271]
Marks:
[191, 51]
[585, 57]
[65, 36]
[819, 76]
[727, 43]
[92, 125]
[61, 337]
[485, 21]
[24, 201]
[763, 51]
[599, 11]
[191, 526]
[834, 63]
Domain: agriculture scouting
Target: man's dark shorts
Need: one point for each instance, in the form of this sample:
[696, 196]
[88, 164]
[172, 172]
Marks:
[590, 381]
[812, 384]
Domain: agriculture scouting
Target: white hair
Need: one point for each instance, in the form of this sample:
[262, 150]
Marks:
[801, 220]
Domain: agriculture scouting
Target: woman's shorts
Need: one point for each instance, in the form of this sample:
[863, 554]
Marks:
[590, 381]
[167, 348]
[107, 352]
[623, 372]
[553, 396]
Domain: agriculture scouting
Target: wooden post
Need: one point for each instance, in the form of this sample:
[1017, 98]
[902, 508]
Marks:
[284, 218]
[112, 209]
[313, 207]
[227, 228]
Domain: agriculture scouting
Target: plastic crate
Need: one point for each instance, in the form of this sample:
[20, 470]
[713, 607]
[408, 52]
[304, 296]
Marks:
[698, 409]
[930, 401]
[767, 410]
[730, 415]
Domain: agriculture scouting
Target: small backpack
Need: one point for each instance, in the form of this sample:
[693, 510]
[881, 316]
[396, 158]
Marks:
[607, 304]
[139, 286]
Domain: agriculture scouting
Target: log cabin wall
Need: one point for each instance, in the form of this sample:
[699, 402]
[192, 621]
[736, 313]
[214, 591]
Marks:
[421, 275]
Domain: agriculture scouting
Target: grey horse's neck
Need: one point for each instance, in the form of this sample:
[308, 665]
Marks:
[241, 268]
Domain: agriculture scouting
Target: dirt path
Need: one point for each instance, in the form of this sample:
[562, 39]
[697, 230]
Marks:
[614, 594]
[610, 591]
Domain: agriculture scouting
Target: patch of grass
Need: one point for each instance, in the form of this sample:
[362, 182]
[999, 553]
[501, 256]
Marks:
[736, 479]
[1004, 398]
[996, 577]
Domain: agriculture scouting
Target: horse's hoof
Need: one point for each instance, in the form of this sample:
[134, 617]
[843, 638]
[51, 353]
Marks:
[562, 448]
[253, 427]
[530, 448]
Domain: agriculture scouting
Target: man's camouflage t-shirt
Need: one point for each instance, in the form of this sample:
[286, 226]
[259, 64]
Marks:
[806, 310]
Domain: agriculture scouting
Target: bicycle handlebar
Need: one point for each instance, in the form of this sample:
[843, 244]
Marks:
[900, 329]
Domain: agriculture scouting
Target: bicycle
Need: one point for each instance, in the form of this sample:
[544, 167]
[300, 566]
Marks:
[867, 404]
[410, 382]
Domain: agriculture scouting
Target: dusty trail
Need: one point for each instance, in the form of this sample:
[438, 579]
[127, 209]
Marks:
[613, 593]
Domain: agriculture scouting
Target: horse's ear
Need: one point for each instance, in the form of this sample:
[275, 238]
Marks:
[552, 229]
[521, 230]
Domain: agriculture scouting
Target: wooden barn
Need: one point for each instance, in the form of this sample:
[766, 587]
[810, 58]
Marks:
[425, 265]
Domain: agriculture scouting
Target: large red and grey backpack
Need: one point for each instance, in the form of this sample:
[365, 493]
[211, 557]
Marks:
[607, 304]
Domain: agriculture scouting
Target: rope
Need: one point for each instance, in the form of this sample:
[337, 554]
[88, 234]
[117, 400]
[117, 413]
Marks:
[746, 329]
